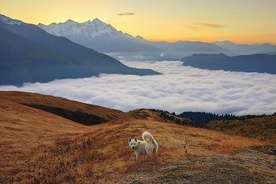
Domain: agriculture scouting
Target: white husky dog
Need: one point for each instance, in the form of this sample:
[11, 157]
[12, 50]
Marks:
[145, 147]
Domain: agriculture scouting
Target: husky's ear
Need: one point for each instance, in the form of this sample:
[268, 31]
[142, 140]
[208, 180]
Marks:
[135, 139]
[129, 139]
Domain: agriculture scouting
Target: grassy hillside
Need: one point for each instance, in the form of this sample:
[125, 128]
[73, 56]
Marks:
[263, 128]
[82, 113]
[39, 145]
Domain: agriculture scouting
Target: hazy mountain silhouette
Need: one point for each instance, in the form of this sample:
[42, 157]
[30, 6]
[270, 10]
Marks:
[29, 54]
[261, 63]
[187, 48]
[246, 49]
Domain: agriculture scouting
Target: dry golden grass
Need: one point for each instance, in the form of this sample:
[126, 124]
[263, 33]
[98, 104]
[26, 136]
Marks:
[102, 153]
[40, 147]
[263, 128]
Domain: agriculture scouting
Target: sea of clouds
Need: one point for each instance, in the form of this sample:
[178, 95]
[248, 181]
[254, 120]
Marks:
[178, 89]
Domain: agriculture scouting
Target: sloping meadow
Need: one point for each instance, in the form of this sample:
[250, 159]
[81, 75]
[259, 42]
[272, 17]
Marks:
[102, 153]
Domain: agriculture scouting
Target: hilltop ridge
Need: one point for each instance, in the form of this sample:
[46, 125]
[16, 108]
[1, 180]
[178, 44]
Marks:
[86, 114]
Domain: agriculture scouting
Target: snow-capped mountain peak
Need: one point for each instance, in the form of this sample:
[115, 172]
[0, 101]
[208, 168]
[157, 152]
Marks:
[90, 29]
[98, 35]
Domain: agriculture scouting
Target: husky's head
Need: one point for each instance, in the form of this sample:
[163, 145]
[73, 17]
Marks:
[132, 143]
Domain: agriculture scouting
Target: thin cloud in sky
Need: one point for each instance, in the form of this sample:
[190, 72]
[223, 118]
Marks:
[195, 28]
[126, 14]
[212, 25]
[178, 89]
[201, 26]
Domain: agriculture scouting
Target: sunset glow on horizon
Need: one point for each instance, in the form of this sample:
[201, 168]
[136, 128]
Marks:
[244, 22]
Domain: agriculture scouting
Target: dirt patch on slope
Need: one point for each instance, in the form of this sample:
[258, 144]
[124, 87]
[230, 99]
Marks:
[247, 167]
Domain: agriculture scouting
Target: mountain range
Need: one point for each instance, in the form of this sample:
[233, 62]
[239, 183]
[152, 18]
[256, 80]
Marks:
[30, 54]
[105, 38]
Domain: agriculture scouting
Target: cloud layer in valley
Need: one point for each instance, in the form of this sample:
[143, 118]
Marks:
[178, 89]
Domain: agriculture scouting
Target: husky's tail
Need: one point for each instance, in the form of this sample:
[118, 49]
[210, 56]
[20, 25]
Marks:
[149, 138]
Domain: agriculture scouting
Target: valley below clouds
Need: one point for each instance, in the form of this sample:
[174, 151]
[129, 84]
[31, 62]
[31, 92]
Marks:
[179, 88]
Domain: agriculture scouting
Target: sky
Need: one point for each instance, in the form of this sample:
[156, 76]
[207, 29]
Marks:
[179, 88]
[240, 21]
